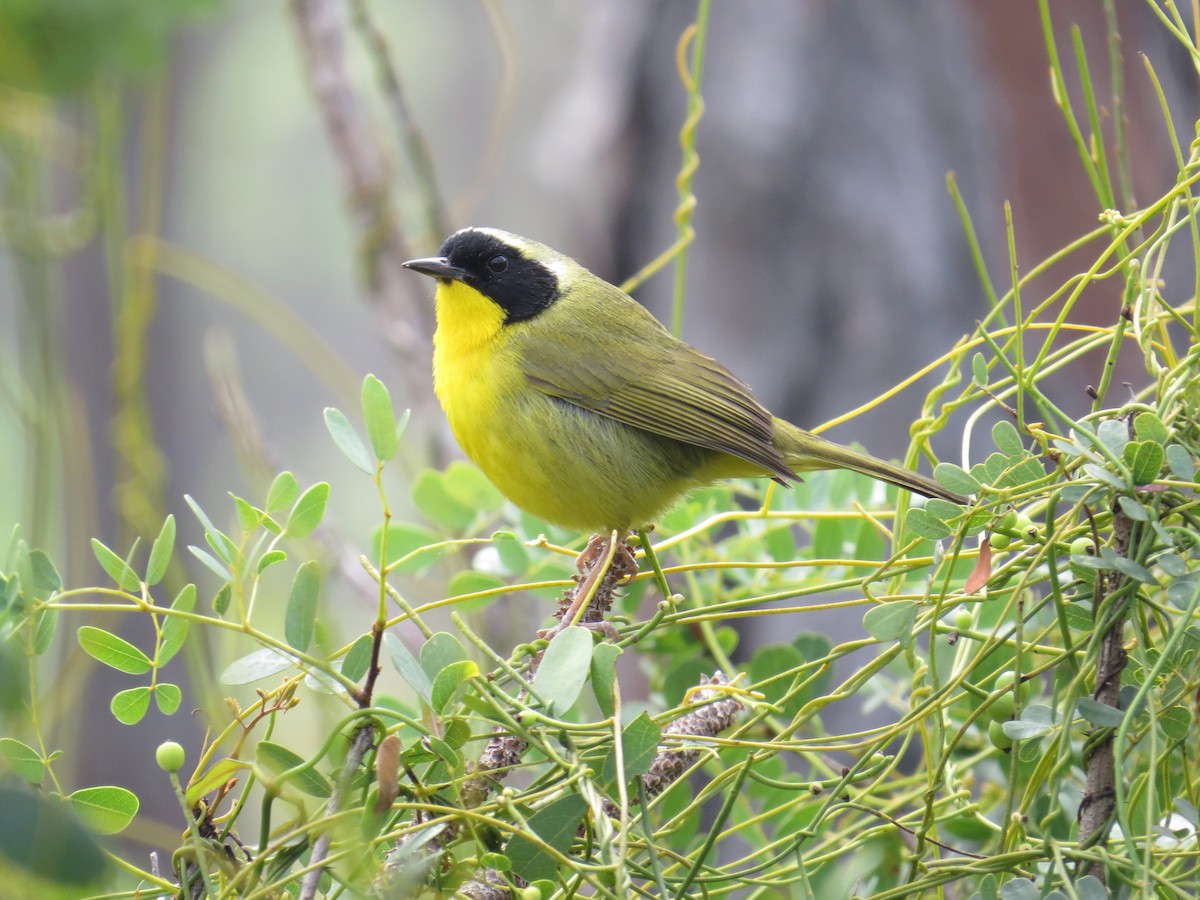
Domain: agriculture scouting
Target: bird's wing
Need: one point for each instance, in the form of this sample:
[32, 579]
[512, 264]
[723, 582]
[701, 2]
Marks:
[672, 390]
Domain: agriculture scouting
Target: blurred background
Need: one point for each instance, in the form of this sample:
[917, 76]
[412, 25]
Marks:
[205, 204]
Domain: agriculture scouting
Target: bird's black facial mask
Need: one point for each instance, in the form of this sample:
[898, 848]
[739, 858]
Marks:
[520, 286]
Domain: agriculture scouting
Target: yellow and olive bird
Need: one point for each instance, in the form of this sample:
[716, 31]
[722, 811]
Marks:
[582, 408]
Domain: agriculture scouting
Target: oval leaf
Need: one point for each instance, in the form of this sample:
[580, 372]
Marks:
[254, 666]
[347, 440]
[302, 606]
[106, 810]
[24, 760]
[113, 651]
[283, 492]
[279, 759]
[306, 515]
[380, 418]
[167, 697]
[175, 628]
[564, 669]
[448, 681]
[118, 570]
[130, 707]
[160, 552]
[891, 621]
[408, 667]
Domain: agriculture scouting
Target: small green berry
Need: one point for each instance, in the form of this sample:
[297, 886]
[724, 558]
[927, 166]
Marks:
[963, 620]
[1083, 546]
[999, 540]
[1025, 528]
[170, 756]
[999, 739]
[1007, 522]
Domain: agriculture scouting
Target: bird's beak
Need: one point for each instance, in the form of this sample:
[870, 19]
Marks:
[437, 267]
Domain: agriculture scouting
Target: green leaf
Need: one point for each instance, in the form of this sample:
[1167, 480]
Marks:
[225, 548]
[564, 669]
[1147, 462]
[979, 370]
[118, 570]
[130, 707]
[347, 440]
[1113, 434]
[301, 616]
[106, 810]
[1149, 427]
[449, 680]
[471, 582]
[380, 418]
[955, 478]
[1180, 462]
[23, 759]
[283, 492]
[511, 550]
[892, 621]
[1007, 439]
[269, 559]
[113, 651]
[942, 509]
[1133, 509]
[556, 824]
[46, 579]
[307, 513]
[221, 772]
[639, 746]
[358, 658]
[43, 634]
[278, 759]
[604, 676]
[255, 666]
[827, 539]
[39, 835]
[404, 540]
[408, 667]
[433, 499]
[249, 518]
[442, 649]
[160, 552]
[470, 487]
[167, 697]
[221, 601]
[175, 628]
[1099, 714]
[922, 524]
[214, 565]
[1176, 722]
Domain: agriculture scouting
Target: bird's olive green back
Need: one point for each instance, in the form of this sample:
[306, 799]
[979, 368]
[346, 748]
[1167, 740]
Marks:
[599, 349]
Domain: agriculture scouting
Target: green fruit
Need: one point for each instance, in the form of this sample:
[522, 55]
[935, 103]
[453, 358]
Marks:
[1002, 708]
[170, 756]
[1025, 528]
[963, 620]
[1004, 682]
[999, 540]
[999, 739]
[1083, 546]
[1007, 522]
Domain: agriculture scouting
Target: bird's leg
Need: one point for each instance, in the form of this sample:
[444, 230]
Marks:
[605, 564]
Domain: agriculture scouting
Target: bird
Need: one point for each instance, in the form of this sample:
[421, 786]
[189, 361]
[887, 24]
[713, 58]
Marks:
[583, 409]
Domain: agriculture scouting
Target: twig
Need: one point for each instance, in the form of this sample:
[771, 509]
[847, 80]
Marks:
[367, 175]
[359, 745]
[1100, 795]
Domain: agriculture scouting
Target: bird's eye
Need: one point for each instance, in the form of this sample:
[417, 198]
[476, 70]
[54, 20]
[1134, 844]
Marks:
[498, 263]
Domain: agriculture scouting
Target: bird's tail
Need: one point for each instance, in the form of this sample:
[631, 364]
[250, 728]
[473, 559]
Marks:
[805, 451]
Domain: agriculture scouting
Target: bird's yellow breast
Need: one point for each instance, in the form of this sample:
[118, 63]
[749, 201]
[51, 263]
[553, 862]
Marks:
[562, 463]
